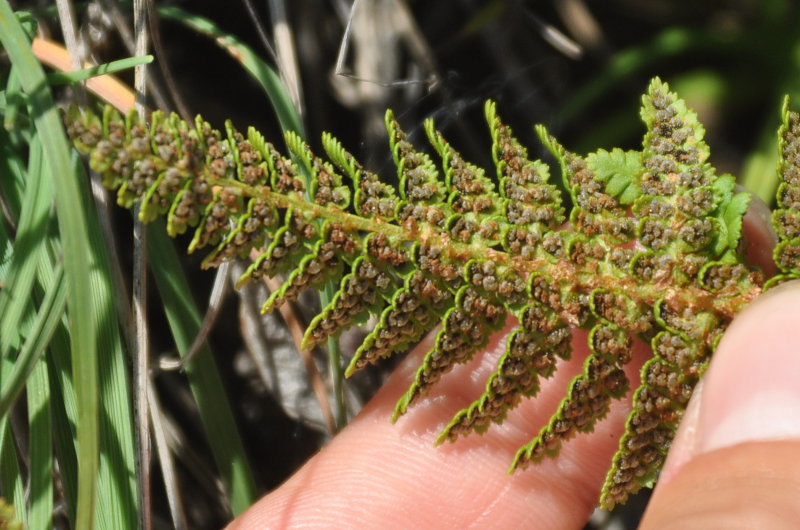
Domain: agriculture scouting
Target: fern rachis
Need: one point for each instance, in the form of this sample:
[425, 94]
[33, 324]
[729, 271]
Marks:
[650, 251]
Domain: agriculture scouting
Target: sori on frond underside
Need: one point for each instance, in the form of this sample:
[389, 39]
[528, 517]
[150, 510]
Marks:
[650, 249]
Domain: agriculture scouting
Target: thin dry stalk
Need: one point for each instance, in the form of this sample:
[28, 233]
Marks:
[286, 55]
[141, 351]
[166, 461]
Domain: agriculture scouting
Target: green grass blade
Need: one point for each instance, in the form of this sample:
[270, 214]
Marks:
[12, 167]
[15, 178]
[69, 78]
[11, 486]
[6, 250]
[118, 494]
[262, 72]
[31, 234]
[39, 335]
[64, 417]
[40, 469]
[35, 204]
[14, 103]
[212, 402]
[73, 227]
[117, 500]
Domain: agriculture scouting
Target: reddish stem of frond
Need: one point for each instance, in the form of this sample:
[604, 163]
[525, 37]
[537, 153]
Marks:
[726, 302]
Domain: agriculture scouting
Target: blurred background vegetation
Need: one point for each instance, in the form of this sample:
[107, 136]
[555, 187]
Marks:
[578, 66]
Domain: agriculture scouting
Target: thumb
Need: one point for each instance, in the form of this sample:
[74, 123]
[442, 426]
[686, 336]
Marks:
[735, 462]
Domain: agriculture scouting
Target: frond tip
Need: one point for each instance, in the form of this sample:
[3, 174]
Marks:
[651, 252]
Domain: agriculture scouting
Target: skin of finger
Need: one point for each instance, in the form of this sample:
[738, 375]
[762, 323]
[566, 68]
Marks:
[752, 485]
[378, 474]
[758, 238]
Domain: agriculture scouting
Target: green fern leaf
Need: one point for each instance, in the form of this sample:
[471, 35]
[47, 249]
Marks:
[620, 171]
[651, 252]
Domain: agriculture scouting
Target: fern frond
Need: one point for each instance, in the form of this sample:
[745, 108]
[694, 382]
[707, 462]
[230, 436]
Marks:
[651, 252]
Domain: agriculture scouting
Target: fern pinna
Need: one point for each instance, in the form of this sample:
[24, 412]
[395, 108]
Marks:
[649, 249]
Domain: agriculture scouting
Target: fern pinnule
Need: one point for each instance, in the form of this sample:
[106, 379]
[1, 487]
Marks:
[651, 252]
[786, 217]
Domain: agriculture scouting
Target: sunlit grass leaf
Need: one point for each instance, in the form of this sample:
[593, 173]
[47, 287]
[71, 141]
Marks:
[68, 78]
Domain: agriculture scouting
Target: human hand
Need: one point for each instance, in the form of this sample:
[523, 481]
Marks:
[734, 463]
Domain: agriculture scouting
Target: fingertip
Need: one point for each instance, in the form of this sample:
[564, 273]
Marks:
[749, 485]
[737, 446]
[751, 390]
